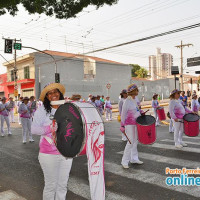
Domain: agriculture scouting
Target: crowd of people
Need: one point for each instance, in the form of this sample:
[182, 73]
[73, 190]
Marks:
[36, 118]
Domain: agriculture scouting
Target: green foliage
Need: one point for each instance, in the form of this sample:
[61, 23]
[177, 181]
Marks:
[142, 73]
[62, 9]
[134, 69]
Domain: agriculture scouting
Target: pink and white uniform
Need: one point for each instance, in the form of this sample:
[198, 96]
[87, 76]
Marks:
[11, 105]
[4, 114]
[49, 157]
[130, 112]
[195, 105]
[177, 111]
[26, 120]
[120, 105]
[108, 108]
[155, 105]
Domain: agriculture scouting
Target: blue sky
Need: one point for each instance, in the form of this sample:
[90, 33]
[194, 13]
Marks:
[110, 25]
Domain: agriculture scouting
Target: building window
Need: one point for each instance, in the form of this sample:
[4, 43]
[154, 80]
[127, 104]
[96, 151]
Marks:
[12, 77]
[26, 72]
[89, 68]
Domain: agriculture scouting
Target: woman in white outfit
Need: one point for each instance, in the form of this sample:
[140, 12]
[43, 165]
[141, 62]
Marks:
[26, 119]
[120, 104]
[56, 168]
[177, 111]
[4, 114]
[108, 109]
[155, 106]
[130, 112]
[11, 105]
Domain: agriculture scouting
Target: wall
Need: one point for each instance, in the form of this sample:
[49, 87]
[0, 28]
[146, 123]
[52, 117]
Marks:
[163, 87]
[72, 76]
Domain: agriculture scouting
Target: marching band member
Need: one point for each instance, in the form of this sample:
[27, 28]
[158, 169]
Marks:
[130, 112]
[4, 114]
[18, 104]
[121, 102]
[155, 106]
[32, 105]
[93, 98]
[76, 97]
[99, 104]
[195, 104]
[177, 111]
[11, 105]
[108, 109]
[56, 168]
[25, 114]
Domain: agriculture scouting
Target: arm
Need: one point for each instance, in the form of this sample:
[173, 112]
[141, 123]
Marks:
[171, 110]
[37, 126]
[124, 112]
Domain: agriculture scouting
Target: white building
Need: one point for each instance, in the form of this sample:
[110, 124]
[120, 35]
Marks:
[160, 65]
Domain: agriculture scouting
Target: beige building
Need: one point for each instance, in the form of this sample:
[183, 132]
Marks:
[160, 65]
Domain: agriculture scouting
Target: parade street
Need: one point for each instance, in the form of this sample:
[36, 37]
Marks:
[21, 174]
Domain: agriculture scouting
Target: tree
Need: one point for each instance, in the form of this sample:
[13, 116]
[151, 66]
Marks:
[134, 69]
[62, 9]
[141, 73]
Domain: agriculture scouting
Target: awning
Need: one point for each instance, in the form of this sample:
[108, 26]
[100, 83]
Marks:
[19, 81]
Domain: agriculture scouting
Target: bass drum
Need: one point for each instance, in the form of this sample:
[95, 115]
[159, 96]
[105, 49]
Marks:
[73, 121]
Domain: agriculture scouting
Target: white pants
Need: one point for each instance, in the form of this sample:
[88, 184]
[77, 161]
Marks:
[156, 117]
[26, 128]
[171, 127]
[130, 151]
[11, 115]
[19, 119]
[178, 132]
[56, 169]
[108, 114]
[5, 118]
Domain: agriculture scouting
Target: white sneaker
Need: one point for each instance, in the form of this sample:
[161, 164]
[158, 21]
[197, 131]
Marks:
[184, 144]
[106, 119]
[2, 135]
[125, 166]
[24, 142]
[124, 139]
[31, 140]
[178, 146]
[9, 133]
[139, 162]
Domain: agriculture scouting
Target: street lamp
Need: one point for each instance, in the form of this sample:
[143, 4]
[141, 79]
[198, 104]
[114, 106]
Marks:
[57, 75]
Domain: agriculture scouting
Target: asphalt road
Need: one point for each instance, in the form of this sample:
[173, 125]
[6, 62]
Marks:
[20, 171]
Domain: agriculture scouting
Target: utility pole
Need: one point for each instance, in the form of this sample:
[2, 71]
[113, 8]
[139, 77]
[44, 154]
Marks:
[181, 47]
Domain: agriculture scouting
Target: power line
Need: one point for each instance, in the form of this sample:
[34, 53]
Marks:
[149, 37]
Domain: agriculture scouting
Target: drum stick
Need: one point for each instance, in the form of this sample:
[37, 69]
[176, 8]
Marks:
[127, 137]
[145, 112]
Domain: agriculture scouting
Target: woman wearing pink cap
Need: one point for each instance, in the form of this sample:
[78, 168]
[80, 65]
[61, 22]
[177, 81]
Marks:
[130, 112]
[177, 111]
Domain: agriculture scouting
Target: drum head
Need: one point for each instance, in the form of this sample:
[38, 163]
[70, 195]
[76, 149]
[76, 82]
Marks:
[191, 117]
[146, 120]
[70, 133]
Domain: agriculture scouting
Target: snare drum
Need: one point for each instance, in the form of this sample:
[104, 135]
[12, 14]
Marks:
[75, 120]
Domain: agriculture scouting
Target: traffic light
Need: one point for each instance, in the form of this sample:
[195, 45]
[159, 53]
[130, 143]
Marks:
[57, 77]
[8, 46]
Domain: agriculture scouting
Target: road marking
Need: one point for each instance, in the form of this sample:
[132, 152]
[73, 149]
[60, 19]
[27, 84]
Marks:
[149, 177]
[166, 146]
[169, 160]
[188, 142]
[193, 138]
[10, 195]
[79, 188]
